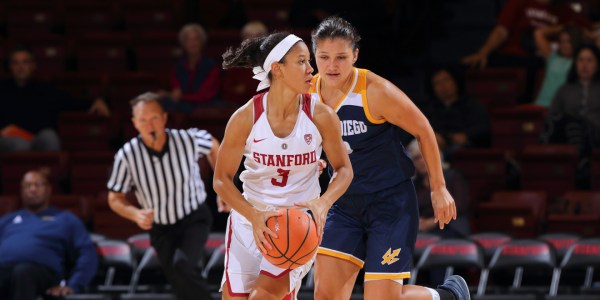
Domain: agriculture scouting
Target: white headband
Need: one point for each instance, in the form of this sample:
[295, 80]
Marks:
[262, 73]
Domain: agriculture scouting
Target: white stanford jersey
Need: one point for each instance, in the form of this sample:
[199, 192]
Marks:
[282, 171]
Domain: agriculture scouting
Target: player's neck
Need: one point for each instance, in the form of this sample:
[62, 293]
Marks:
[282, 100]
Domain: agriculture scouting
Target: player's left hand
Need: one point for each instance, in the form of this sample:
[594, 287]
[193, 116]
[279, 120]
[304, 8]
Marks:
[319, 211]
[444, 208]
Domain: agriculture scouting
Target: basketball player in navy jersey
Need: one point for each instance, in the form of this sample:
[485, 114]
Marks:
[375, 223]
[281, 133]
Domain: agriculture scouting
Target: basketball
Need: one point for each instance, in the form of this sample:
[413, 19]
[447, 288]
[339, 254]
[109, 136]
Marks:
[296, 241]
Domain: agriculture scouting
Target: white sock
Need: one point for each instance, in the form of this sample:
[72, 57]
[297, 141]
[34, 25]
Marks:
[434, 294]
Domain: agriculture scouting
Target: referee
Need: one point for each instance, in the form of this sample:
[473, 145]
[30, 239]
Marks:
[161, 166]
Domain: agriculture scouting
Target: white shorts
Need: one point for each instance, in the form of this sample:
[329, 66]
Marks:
[244, 262]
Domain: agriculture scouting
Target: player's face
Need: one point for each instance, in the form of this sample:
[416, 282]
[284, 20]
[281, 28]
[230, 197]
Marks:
[296, 70]
[22, 65]
[335, 60]
[149, 118]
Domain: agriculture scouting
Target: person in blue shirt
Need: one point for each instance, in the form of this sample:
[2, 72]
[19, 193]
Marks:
[38, 242]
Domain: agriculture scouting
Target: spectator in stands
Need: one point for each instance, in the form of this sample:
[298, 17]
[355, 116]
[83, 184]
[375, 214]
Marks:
[511, 41]
[28, 120]
[458, 188]
[574, 115]
[558, 62]
[458, 121]
[195, 77]
[254, 29]
[38, 242]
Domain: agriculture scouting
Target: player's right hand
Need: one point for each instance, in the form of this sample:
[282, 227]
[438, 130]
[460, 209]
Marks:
[144, 218]
[260, 228]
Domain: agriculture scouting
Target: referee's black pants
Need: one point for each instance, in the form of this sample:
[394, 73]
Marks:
[180, 247]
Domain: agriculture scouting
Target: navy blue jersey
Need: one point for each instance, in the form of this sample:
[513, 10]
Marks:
[379, 160]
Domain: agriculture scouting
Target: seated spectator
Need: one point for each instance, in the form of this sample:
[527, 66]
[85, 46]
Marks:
[574, 115]
[558, 62]
[458, 121]
[458, 188]
[195, 77]
[511, 42]
[28, 120]
[254, 29]
[38, 241]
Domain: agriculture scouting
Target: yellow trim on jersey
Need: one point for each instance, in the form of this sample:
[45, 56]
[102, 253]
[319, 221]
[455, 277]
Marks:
[317, 88]
[361, 88]
[341, 255]
[383, 276]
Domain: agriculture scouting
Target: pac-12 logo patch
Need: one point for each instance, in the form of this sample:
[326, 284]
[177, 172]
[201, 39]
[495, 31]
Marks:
[308, 138]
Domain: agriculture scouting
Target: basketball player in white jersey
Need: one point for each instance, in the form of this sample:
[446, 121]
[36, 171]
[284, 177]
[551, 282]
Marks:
[281, 133]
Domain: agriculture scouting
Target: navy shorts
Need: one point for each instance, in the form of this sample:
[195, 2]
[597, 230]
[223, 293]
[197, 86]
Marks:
[375, 231]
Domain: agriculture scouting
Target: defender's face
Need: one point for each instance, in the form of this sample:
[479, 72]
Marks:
[335, 60]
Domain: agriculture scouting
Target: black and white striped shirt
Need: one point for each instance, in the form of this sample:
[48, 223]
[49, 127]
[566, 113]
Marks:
[169, 182]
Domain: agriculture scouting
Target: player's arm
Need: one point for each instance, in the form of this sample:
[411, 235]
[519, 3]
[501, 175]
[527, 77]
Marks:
[328, 124]
[228, 161]
[382, 95]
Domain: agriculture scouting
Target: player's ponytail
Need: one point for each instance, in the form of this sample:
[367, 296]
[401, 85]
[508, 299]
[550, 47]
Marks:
[252, 52]
[335, 27]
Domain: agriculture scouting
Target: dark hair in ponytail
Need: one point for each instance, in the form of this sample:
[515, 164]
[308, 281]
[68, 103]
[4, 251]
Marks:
[252, 52]
[335, 27]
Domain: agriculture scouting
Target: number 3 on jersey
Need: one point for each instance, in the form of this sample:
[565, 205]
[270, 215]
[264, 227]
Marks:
[284, 177]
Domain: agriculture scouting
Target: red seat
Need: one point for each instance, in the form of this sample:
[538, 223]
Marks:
[549, 167]
[14, 165]
[108, 223]
[212, 119]
[561, 242]
[515, 127]
[79, 205]
[90, 171]
[149, 19]
[122, 87]
[238, 86]
[490, 241]
[102, 58]
[595, 172]
[26, 17]
[82, 131]
[581, 216]
[81, 85]
[9, 203]
[484, 169]
[518, 213]
[83, 17]
[156, 51]
[496, 87]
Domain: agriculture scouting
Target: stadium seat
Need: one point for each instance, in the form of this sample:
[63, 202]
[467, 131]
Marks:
[496, 87]
[156, 51]
[90, 171]
[518, 213]
[549, 167]
[583, 255]
[27, 17]
[449, 254]
[560, 241]
[581, 214]
[237, 86]
[83, 17]
[82, 131]
[108, 223]
[148, 264]
[122, 87]
[116, 265]
[79, 205]
[490, 241]
[14, 165]
[595, 172]
[9, 203]
[515, 127]
[484, 169]
[522, 256]
[84, 86]
[422, 242]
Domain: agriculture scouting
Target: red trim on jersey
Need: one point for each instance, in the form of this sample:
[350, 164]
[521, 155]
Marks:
[290, 296]
[231, 293]
[258, 106]
[306, 107]
[263, 272]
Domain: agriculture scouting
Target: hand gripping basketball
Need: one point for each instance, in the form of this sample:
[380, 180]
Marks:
[297, 240]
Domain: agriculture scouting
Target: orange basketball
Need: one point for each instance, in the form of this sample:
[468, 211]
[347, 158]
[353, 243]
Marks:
[296, 241]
